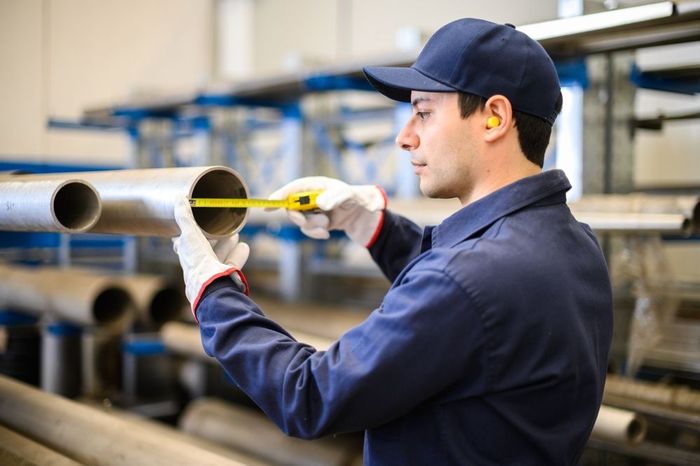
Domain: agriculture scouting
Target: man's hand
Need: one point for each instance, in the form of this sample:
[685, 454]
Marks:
[357, 210]
[201, 263]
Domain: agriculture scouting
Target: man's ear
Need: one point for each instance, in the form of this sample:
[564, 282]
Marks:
[498, 117]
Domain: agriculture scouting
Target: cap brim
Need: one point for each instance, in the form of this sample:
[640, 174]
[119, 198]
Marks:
[397, 83]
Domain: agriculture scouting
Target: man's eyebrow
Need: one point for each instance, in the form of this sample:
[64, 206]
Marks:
[418, 100]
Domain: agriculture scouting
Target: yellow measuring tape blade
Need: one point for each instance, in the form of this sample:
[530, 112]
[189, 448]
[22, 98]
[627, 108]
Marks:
[297, 201]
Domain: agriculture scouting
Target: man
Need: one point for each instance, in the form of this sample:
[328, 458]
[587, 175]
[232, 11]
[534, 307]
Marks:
[490, 348]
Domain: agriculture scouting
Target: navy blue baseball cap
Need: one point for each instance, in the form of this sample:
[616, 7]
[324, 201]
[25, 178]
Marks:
[478, 57]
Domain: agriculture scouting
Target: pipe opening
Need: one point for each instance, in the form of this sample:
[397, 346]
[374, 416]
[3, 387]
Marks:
[166, 305]
[110, 305]
[220, 184]
[636, 430]
[76, 206]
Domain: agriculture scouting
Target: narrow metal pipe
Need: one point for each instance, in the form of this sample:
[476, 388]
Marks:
[620, 425]
[76, 297]
[69, 205]
[250, 431]
[91, 436]
[141, 202]
[18, 450]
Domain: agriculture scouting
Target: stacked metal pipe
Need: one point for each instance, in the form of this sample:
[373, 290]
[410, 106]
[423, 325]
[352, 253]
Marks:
[18, 450]
[184, 339]
[80, 298]
[134, 202]
[676, 397]
[93, 437]
[250, 431]
[639, 213]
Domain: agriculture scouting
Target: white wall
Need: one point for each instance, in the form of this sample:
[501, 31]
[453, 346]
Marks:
[62, 56]
[324, 30]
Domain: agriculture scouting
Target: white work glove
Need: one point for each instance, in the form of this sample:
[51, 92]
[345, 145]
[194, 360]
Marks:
[358, 210]
[203, 261]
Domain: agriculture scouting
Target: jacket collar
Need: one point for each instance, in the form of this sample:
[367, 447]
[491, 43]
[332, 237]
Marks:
[549, 186]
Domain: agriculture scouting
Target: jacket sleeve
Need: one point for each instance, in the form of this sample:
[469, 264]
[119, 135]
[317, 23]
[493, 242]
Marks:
[415, 345]
[398, 243]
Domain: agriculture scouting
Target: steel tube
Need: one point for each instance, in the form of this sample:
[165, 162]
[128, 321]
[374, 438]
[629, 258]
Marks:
[69, 205]
[679, 397]
[155, 300]
[644, 205]
[61, 371]
[184, 339]
[141, 202]
[250, 431]
[76, 297]
[619, 214]
[619, 425]
[91, 436]
[175, 434]
[18, 450]
[625, 222]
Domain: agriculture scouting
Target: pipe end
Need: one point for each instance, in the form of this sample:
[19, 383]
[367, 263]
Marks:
[76, 206]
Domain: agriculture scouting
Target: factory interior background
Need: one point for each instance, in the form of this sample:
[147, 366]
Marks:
[273, 90]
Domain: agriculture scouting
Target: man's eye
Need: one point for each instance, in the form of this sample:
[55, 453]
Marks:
[422, 115]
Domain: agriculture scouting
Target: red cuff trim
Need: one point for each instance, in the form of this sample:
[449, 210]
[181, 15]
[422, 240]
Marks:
[246, 288]
[386, 199]
[208, 282]
[377, 230]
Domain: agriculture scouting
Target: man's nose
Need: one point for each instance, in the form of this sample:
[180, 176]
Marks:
[407, 139]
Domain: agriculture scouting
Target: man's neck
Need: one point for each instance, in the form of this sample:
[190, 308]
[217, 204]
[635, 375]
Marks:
[497, 178]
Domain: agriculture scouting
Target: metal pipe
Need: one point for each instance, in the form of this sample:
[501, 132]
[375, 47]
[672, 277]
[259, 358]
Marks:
[61, 371]
[156, 301]
[18, 450]
[329, 322]
[91, 436]
[625, 222]
[141, 202]
[184, 339]
[174, 434]
[81, 298]
[620, 214]
[646, 206]
[619, 425]
[68, 205]
[680, 397]
[250, 431]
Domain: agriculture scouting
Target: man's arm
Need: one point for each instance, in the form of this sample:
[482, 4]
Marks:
[403, 354]
[398, 243]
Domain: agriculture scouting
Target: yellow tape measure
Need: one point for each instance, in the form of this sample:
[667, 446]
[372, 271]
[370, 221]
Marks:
[298, 201]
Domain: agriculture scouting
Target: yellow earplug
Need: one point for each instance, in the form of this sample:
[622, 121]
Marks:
[492, 122]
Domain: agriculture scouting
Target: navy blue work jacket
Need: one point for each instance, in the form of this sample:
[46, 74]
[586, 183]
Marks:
[490, 348]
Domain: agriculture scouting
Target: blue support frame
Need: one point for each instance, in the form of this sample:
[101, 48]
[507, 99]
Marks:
[688, 85]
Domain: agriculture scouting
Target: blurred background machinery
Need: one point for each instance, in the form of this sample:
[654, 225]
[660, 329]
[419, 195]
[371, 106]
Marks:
[100, 360]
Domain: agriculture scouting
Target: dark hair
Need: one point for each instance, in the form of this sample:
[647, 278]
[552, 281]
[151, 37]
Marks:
[533, 132]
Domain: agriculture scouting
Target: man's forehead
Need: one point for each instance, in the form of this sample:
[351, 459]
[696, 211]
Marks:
[418, 97]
